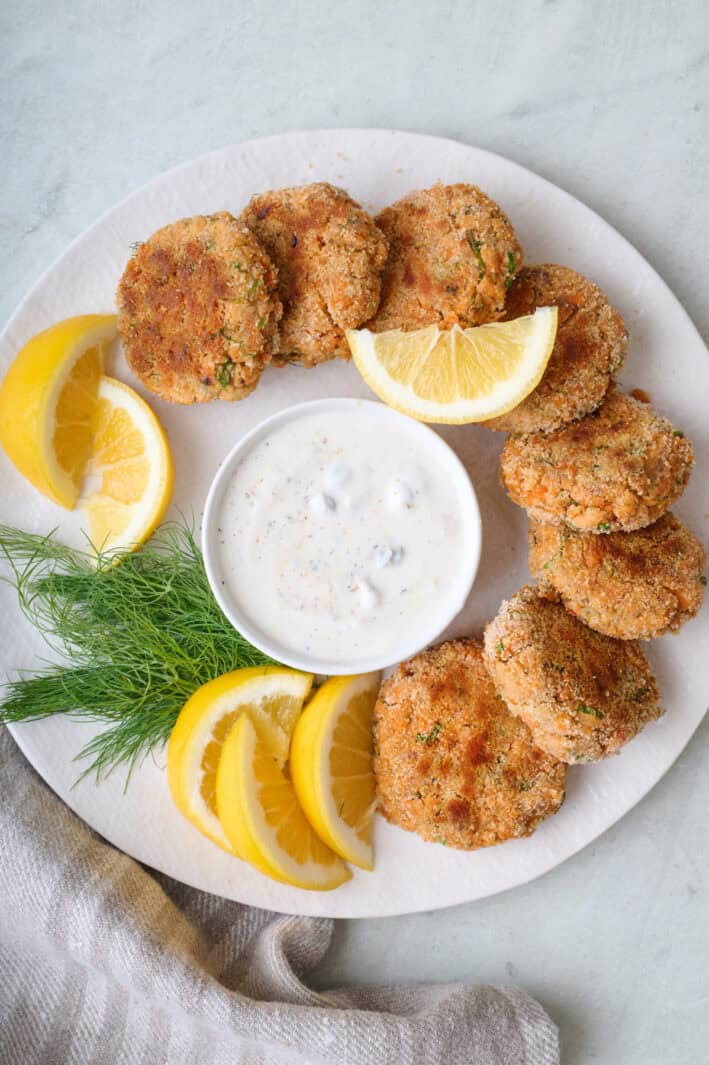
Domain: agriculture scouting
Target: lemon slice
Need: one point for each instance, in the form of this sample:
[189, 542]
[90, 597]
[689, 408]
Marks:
[263, 819]
[47, 403]
[457, 375]
[273, 696]
[331, 765]
[131, 460]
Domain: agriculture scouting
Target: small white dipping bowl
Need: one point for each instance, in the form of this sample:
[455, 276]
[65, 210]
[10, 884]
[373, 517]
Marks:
[244, 616]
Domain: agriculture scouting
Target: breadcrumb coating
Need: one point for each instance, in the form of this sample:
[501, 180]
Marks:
[582, 695]
[452, 255]
[451, 763]
[198, 311]
[619, 468]
[330, 255]
[633, 586]
[591, 344]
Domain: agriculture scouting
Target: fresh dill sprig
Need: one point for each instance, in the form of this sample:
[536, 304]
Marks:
[138, 638]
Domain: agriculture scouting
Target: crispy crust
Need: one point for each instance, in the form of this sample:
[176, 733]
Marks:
[619, 468]
[452, 252]
[633, 586]
[591, 343]
[582, 694]
[451, 762]
[330, 255]
[198, 311]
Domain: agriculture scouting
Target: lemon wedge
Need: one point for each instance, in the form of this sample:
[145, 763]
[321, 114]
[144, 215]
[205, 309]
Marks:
[130, 459]
[263, 819]
[47, 404]
[456, 375]
[272, 695]
[331, 765]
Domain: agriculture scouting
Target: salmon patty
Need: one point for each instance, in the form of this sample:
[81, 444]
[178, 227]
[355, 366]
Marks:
[329, 254]
[591, 343]
[633, 586]
[619, 468]
[452, 256]
[451, 763]
[198, 310]
[582, 695]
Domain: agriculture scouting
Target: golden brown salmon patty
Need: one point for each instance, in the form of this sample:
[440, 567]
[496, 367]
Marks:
[198, 310]
[632, 586]
[582, 694]
[591, 343]
[330, 255]
[451, 762]
[452, 256]
[621, 467]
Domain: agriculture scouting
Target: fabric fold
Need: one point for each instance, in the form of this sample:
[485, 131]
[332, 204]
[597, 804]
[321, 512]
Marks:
[106, 962]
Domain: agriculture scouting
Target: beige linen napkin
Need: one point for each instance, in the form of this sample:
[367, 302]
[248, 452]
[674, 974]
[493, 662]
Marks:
[103, 962]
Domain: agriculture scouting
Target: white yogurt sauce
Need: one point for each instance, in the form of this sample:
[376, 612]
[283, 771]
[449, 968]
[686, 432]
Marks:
[341, 535]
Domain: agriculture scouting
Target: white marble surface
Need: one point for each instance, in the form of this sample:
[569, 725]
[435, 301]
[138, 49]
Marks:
[609, 101]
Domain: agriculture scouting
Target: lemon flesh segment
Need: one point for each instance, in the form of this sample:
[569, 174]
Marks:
[132, 463]
[48, 400]
[331, 765]
[271, 695]
[457, 375]
[263, 819]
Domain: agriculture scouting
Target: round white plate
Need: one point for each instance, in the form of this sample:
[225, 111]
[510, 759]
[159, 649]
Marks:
[667, 358]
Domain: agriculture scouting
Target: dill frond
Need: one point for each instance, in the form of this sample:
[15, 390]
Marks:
[138, 636]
